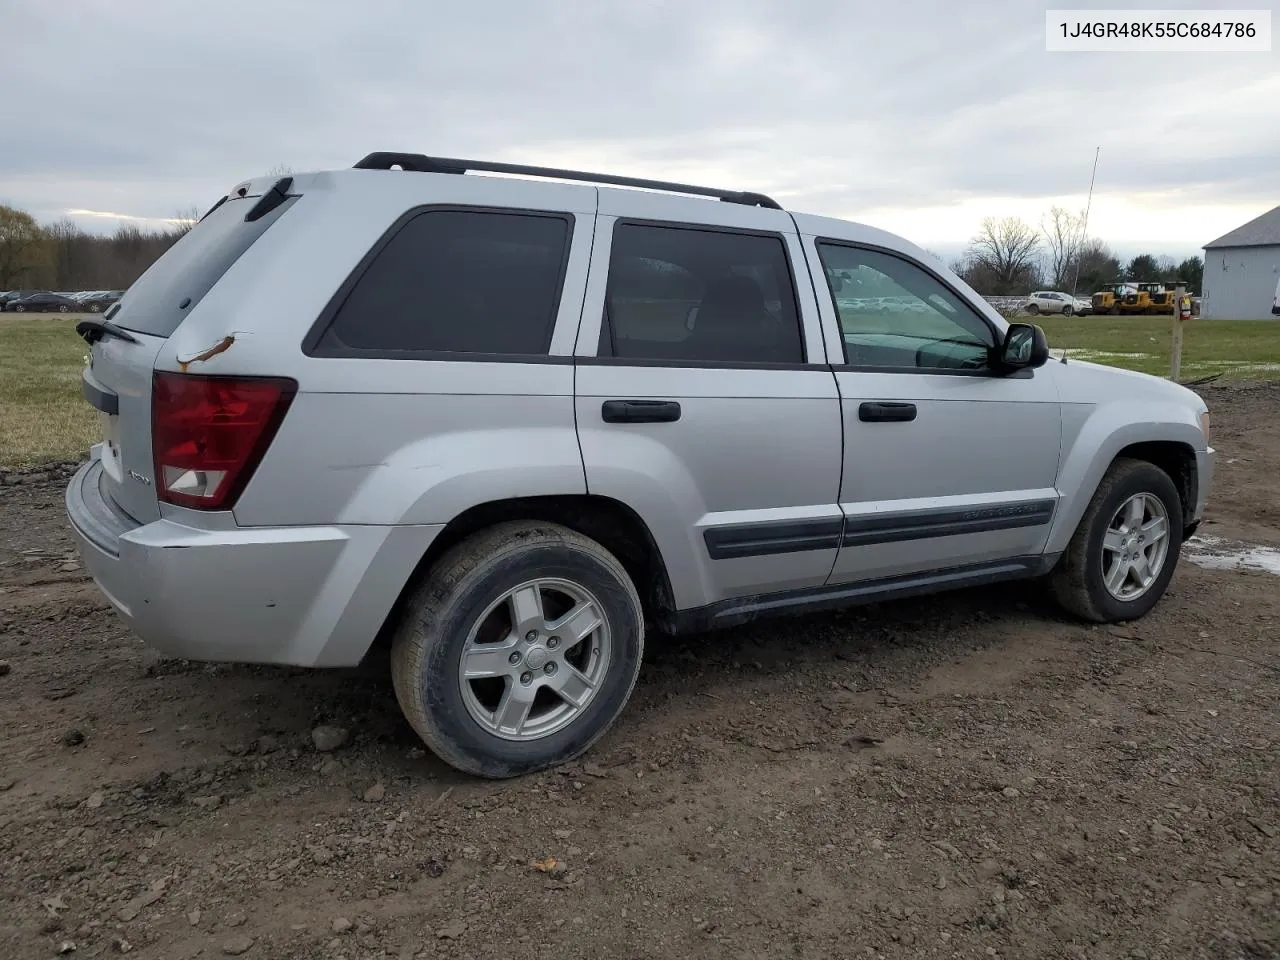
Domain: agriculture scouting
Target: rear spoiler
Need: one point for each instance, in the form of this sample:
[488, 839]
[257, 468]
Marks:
[270, 199]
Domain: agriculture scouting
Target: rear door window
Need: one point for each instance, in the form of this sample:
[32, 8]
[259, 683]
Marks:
[700, 295]
[451, 281]
[170, 289]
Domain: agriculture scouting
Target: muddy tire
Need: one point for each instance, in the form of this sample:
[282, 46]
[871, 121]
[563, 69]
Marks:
[518, 650]
[1124, 551]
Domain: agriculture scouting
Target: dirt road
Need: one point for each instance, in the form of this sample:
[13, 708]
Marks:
[970, 776]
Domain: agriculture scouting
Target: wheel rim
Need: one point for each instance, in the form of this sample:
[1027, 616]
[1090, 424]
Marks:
[1135, 546]
[535, 659]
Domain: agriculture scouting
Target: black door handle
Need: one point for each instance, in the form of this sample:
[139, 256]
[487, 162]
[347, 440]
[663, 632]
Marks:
[884, 411]
[640, 411]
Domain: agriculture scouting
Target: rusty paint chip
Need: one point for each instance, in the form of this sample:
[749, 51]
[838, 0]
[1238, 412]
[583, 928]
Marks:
[220, 347]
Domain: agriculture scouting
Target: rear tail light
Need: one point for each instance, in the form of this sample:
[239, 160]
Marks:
[208, 434]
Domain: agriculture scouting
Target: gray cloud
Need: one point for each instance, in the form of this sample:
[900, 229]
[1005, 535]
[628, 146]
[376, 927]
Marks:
[148, 108]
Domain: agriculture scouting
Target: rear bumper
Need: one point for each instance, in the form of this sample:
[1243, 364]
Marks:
[304, 596]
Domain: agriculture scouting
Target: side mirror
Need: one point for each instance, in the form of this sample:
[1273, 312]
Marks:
[1024, 347]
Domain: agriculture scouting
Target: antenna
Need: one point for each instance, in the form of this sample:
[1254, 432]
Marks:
[1084, 227]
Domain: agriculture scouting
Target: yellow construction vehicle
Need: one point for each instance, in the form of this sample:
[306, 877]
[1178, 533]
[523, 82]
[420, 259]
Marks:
[1136, 299]
[1111, 298]
[1161, 298]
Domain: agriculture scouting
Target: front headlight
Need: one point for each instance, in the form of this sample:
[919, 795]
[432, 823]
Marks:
[1204, 426]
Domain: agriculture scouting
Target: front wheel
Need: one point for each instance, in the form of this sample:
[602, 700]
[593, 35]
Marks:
[1123, 554]
[519, 649]
[1067, 311]
[19, 309]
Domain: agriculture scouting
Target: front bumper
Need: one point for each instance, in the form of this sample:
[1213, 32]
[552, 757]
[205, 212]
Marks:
[304, 596]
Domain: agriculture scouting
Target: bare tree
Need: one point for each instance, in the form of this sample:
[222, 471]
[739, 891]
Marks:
[1063, 233]
[1005, 251]
[1096, 265]
[64, 256]
[22, 246]
[182, 221]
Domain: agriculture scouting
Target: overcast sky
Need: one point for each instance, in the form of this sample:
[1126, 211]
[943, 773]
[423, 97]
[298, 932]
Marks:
[921, 117]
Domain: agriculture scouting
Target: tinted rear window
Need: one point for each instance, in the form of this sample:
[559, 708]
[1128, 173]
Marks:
[456, 281]
[170, 289]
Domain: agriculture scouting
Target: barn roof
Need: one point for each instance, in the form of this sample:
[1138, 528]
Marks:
[1262, 231]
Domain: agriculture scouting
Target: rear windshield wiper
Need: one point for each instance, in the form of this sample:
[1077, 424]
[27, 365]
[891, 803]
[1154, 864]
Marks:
[94, 330]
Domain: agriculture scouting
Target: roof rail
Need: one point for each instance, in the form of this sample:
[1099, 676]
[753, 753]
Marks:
[419, 163]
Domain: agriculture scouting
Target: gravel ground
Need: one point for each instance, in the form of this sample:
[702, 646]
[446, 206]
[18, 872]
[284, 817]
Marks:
[969, 776]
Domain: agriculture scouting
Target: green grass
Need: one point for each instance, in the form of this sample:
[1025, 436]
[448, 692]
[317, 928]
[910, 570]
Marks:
[1238, 349]
[43, 416]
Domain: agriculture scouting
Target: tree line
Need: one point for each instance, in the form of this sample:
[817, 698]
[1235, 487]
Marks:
[1010, 257]
[63, 256]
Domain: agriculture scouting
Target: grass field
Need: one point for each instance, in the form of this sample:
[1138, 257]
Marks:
[43, 416]
[1240, 349]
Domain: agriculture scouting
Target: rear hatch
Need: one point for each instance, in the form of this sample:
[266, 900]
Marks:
[127, 339]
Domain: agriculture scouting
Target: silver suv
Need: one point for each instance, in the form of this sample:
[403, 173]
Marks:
[508, 424]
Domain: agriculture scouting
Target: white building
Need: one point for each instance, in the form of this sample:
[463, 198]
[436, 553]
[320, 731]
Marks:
[1242, 272]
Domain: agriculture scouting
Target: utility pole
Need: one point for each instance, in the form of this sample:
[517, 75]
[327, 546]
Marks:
[1084, 227]
[1175, 348]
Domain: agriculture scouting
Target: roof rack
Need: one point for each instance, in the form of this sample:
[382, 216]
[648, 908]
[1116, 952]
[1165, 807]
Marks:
[420, 163]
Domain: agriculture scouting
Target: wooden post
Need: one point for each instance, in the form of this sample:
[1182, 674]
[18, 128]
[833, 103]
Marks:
[1175, 352]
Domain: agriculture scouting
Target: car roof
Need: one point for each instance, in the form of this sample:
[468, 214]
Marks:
[584, 192]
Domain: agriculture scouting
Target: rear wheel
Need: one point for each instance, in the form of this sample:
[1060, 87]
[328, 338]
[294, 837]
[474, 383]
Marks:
[62, 308]
[519, 649]
[19, 309]
[1033, 308]
[1123, 554]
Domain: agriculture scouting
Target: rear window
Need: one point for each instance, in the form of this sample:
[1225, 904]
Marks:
[159, 300]
[455, 281]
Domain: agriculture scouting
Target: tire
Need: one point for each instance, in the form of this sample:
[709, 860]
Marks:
[462, 595]
[1078, 581]
[96, 308]
[62, 308]
[1033, 309]
[19, 309]
[1067, 311]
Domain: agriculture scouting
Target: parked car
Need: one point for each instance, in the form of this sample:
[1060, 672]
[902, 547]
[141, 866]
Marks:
[1053, 301]
[11, 295]
[42, 303]
[492, 433]
[95, 301]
